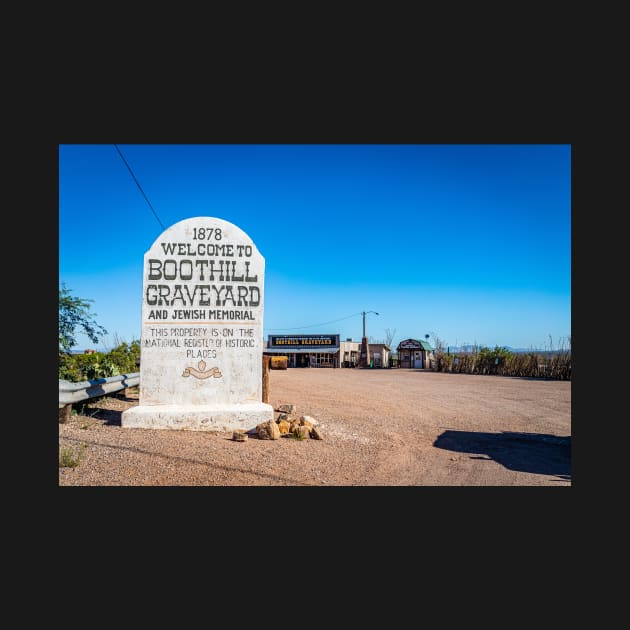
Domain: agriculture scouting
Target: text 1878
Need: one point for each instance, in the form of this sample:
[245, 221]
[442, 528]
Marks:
[207, 234]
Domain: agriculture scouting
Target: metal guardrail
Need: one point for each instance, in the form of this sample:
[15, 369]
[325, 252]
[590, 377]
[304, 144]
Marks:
[76, 392]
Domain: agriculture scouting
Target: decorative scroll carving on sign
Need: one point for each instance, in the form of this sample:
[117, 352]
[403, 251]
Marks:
[202, 372]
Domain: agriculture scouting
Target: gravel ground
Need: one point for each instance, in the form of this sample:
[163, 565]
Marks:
[393, 427]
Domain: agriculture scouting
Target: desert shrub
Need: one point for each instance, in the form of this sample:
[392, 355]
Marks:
[86, 367]
[124, 357]
[503, 362]
[70, 457]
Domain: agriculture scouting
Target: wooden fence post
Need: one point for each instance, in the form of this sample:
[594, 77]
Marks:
[265, 378]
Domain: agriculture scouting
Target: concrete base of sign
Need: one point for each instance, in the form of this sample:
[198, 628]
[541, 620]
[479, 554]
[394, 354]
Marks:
[217, 417]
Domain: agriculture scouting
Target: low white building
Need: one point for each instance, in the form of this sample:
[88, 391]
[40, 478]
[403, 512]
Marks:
[349, 353]
[379, 355]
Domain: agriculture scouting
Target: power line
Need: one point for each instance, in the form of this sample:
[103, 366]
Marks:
[140, 187]
[313, 325]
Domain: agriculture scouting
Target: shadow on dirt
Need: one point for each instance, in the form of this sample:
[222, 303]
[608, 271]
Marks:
[109, 417]
[104, 408]
[526, 452]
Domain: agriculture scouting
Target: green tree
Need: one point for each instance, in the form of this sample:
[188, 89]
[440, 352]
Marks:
[74, 313]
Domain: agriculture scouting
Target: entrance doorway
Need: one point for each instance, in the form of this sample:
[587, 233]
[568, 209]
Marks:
[417, 359]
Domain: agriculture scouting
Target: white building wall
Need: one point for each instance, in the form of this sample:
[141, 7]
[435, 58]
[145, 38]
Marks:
[383, 354]
[346, 350]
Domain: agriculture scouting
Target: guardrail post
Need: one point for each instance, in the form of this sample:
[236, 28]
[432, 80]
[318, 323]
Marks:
[64, 413]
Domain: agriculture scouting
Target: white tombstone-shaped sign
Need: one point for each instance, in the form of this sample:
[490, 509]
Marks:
[202, 322]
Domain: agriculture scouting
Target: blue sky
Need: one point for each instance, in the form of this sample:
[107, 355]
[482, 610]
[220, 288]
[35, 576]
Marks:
[471, 243]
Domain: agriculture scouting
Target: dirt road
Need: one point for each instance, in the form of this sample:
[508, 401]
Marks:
[393, 427]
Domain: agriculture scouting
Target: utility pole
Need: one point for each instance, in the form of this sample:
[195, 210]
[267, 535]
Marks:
[365, 348]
